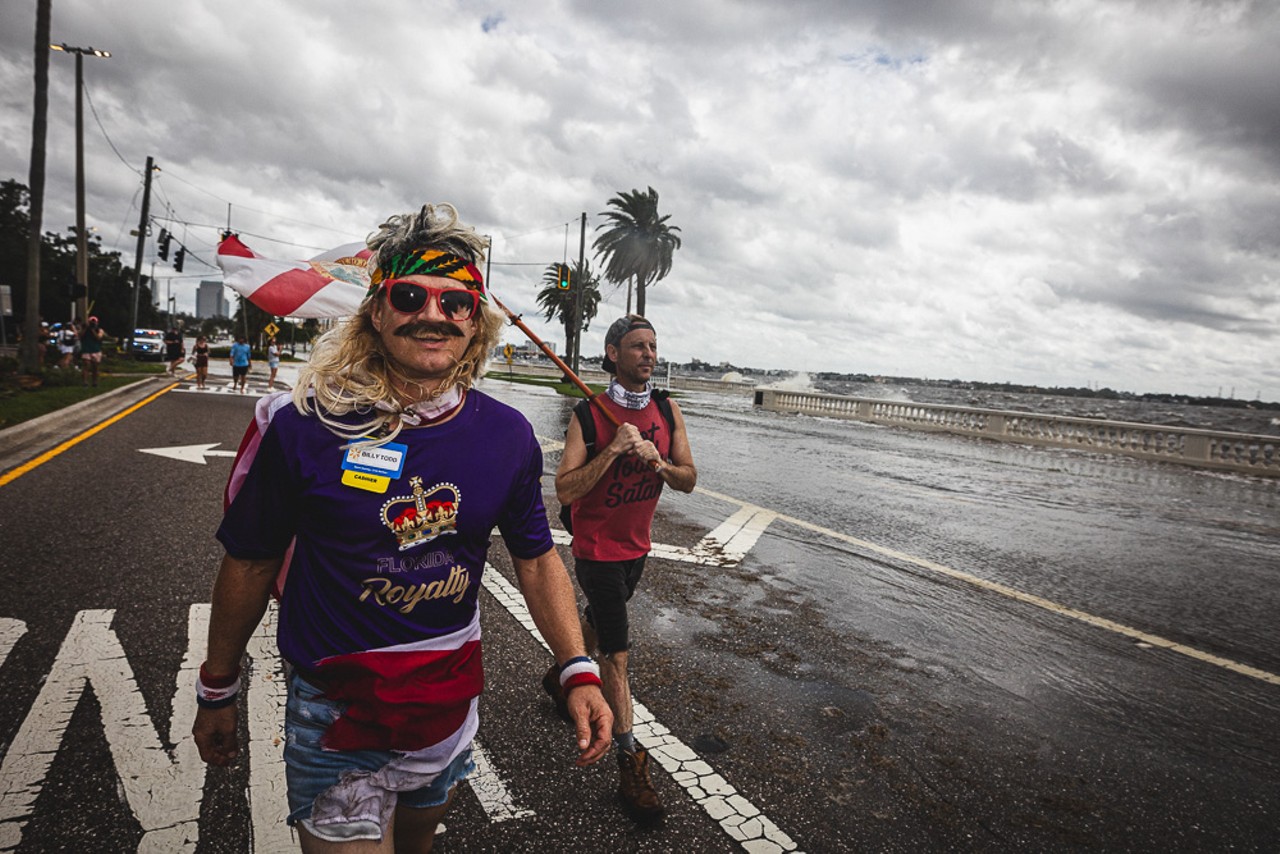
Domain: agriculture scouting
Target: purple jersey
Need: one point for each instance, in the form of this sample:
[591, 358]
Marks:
[376, 570]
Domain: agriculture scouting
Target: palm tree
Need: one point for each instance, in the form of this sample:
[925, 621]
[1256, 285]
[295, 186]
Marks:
[558, 304]
[638, 244]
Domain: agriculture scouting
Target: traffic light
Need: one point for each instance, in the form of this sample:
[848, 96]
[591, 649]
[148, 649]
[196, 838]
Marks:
[163, 244]
[563, 273]
[179, 258]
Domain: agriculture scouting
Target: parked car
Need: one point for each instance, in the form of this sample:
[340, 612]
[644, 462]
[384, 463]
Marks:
[148, 344]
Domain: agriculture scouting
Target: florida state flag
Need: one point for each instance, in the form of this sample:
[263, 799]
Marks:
[332, 284]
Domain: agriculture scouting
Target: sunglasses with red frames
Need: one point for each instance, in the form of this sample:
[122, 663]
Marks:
[456, 304]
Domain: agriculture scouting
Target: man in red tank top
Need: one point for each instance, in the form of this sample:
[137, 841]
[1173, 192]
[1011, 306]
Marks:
[614, 492]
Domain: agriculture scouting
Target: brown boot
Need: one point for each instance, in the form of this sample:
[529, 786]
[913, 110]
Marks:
[551, 684]
[635, 789]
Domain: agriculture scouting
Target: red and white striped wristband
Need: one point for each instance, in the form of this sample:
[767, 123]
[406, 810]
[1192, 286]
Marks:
[579, 671]
[214, 692]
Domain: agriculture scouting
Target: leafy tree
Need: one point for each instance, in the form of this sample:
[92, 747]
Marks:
[257, 322]
[558, 304]
[638, 244]
[110, 281]
[214, 327]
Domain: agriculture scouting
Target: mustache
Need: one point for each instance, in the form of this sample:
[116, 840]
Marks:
[430, 327]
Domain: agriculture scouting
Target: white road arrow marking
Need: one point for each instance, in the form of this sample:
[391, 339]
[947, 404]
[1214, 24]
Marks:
[189, 453]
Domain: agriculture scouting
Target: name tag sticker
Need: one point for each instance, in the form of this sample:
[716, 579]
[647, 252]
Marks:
[385, 460]
[368, 482]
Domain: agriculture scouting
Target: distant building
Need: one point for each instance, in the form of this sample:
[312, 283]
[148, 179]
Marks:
[524, 350]
[210, 302]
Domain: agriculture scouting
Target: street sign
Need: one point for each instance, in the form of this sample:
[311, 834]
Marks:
[508, 351]
[271, 329]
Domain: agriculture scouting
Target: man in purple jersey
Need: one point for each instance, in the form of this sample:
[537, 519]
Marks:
[365, 499]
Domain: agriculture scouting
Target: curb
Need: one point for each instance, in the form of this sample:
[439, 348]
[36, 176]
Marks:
[72, 418]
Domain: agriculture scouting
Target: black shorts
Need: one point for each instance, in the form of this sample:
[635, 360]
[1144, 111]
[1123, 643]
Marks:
[608, 585]
[238, 371]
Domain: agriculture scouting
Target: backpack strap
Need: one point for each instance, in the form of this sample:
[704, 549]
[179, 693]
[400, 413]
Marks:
[587, 421]
[663, 399]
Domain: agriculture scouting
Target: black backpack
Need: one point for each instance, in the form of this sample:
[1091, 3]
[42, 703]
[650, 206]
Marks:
[582, 411]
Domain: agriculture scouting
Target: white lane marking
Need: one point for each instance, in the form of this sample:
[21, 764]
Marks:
[1028, 598]
[491, 790]
[185, 777]
[163, 792]
[268, 693]
[11, 631]
[729, 543]
[255, 390]
[666, 551]
[189, 453]
[737, 816]
[268, 802]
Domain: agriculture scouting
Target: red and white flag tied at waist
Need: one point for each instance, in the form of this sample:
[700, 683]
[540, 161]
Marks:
[332, 284]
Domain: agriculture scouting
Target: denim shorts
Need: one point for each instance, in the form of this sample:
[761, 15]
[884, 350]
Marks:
[310, 769]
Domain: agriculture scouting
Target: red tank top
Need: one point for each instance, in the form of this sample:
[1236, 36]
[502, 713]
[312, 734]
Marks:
[612, 521]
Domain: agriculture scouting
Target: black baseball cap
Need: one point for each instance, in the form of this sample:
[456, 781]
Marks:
[617, 331]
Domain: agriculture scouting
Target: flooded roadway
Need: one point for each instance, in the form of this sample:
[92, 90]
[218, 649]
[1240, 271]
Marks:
[869, 668]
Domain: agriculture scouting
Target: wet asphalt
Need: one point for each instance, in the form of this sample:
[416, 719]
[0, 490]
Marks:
[867, 676]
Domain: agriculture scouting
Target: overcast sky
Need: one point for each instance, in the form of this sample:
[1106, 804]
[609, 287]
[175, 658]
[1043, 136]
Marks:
[1060, 193]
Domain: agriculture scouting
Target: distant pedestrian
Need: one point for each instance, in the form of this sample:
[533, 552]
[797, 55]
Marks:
[173, 350]
[611, 480]
[200, 358]
[240, 364]
[91, 350]
[68, 342]
[273, 362]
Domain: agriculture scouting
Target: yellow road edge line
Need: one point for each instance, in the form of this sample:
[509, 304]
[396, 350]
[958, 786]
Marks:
[1029, 598]
[15, 473]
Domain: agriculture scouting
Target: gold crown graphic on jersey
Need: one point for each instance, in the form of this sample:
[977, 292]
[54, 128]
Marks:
[421, 517]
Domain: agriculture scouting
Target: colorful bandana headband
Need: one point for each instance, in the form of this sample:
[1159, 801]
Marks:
[430, 262]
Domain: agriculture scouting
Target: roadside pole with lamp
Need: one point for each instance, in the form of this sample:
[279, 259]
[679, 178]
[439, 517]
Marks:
[80, 301]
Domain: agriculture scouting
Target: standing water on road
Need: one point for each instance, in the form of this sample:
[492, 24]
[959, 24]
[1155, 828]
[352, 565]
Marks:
[913, 548]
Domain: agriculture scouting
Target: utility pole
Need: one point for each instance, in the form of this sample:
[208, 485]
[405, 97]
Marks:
[577, 295]
[81, 301]
[142, 245]
[30, 353]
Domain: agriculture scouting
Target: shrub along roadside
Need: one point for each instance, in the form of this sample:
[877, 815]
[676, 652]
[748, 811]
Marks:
[27, 396]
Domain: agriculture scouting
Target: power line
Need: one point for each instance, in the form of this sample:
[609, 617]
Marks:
[535, 231]
[106, 135]
[171, 218]
[285, 242]
[264, 213]
[127, 214]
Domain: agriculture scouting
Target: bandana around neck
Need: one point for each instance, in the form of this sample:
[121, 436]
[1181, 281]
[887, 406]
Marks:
[629, 399]
[426, 411]
[430, 262]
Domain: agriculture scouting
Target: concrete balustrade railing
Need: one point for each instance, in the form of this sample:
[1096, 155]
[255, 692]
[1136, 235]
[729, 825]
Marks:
[661, 379]
[1239, 452]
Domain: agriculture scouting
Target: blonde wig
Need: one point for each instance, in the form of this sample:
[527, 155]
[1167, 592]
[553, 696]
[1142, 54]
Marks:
[350, 369]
